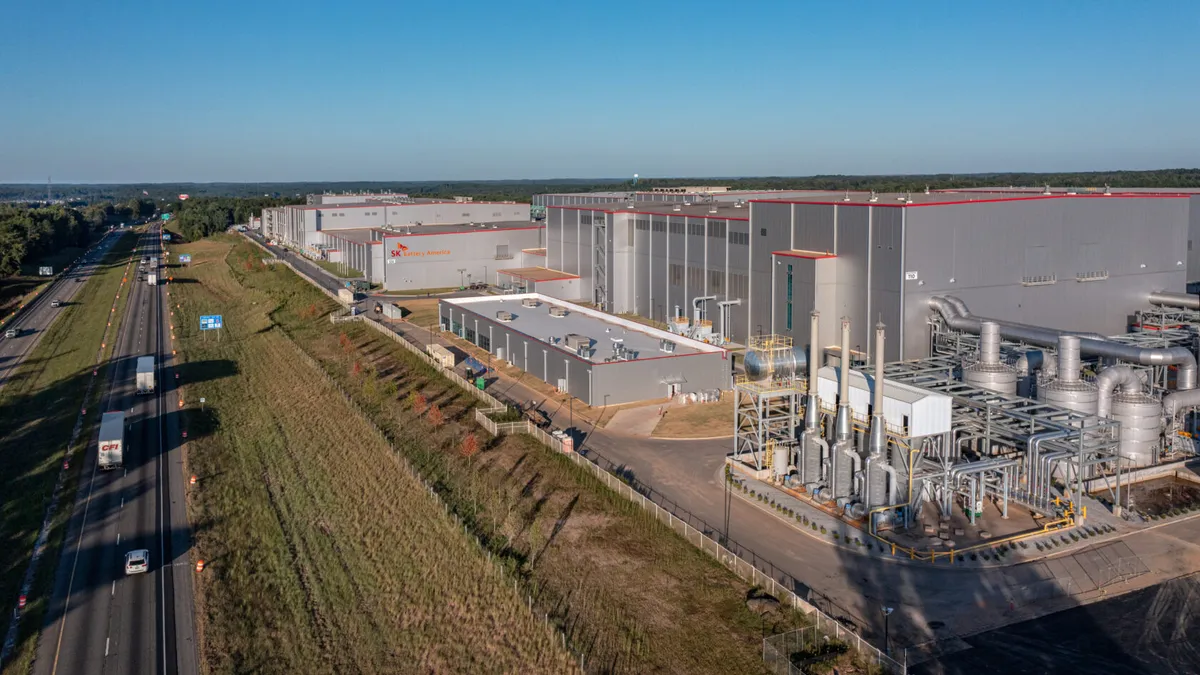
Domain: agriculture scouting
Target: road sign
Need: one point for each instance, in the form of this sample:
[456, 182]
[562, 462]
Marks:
[210, 322]
[46, 271]
[166, 236]
[166, 216]
[185, 258]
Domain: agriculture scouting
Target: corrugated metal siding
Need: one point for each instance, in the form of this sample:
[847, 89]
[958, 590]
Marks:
[1193, 244]
[987, 248]
[814, 227]
[886, 277]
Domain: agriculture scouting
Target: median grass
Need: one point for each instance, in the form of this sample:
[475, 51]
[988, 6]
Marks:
[339, 269]
[324, 554]
[631, 595]
[38, 408]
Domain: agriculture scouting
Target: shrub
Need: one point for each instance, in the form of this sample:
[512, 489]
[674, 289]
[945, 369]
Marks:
[814, 526]
[822, 529]
[417, 402]
[435, 416]
[835, 536]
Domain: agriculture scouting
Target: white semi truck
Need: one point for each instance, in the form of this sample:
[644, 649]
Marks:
[152, 279]
[112, 440]
[145, 375]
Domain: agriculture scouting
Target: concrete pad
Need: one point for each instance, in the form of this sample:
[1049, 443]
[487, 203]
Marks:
[635, 421]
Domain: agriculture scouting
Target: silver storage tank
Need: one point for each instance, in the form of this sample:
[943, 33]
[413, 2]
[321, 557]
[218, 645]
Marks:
[779, 364]
[989, 372]
[1140, 415]
[1067, 390]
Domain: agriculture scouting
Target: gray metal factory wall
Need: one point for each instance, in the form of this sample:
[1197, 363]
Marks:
[1193, 244]
[433, 260]
[982, 252]
[644, 379]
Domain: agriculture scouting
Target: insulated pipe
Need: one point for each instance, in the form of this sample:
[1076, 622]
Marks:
[1035, 360]
[843, 418]
[1166, 299]
[878, 440]
[1033, 450]
[1088, 344]
[1180, 400]
[814, 365]
[1107, 382]
[1068, 358]
[893, 489]
[989, 342]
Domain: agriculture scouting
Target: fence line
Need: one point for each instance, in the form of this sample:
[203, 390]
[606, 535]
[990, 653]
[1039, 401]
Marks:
[748, 570]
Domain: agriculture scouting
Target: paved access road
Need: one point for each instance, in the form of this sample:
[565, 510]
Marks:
[39, 315]
[100, 620]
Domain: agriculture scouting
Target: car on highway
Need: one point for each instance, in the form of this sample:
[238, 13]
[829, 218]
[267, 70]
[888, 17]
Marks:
[12, 332]
[79, 280]
[137, 562]
[56, 303]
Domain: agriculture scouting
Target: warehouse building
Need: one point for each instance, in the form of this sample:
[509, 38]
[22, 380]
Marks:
[436, 256]
[301, 227]
[333, 199]
[595, 357]
[1079, 261]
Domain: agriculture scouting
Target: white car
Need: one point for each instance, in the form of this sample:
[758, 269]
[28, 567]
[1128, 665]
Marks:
[137, 562]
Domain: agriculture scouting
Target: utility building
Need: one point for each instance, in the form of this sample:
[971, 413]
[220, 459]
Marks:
[596, 357]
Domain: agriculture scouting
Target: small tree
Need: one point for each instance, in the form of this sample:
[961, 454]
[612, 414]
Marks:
[435, 416]
[417, 402]
[357, 368]
[346, 343]
[469, 446]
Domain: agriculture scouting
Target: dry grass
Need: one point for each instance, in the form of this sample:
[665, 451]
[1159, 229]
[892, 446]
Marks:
[422, 312]
[324, 554]
[697, 420]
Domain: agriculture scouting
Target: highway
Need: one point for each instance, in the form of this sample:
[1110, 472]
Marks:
[99, 619]
[37, 317]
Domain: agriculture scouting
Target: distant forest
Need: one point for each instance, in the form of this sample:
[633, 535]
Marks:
[523, 190]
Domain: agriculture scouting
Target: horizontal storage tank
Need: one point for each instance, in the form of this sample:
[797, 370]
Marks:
[1140, 416]
[778, 364]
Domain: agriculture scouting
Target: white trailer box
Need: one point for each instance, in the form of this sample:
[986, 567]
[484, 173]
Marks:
[112, 440]
[152, 279]
[441, 355]
[346, 295]
[145, 374]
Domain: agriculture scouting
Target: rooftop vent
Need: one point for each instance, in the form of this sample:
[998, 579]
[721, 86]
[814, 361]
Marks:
[738, 204]
[504, 316]
[847, 197]
[1107, 190]
[666, 346]
[576, 341]
[874, 197]
[677, 208]
[687, 203]
[926, 189]
[530, 302]
[1046, 191]
[558, 312]
[712, 209]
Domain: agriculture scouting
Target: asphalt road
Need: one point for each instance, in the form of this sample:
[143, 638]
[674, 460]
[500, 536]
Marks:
[39, 315]
[100, 620]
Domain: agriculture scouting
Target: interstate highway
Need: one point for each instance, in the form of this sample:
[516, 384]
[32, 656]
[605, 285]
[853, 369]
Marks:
[39, 315]
[101, 621]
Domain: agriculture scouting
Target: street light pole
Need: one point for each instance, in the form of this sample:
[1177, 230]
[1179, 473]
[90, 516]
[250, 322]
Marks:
[887, 647]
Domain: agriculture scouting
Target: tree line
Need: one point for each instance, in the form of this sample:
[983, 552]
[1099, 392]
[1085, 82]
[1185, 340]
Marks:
[198, 218]
[523, 190]
[30, 233]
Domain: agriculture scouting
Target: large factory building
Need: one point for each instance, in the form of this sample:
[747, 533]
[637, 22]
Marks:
[595, 357]
[1083, 261]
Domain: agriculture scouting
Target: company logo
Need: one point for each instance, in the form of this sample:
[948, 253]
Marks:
[110, 446]
[401, 247]
[402, 251]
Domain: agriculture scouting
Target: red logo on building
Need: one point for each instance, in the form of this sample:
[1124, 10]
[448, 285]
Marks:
[401, 247]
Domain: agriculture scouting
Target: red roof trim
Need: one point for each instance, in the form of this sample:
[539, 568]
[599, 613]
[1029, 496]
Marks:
[650, 213]
[471, 231]
[808, 255]
[899, 205]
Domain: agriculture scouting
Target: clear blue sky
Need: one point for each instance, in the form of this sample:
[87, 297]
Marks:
[257, 90]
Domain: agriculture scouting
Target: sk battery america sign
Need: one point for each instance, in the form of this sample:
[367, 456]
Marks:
[402, 251]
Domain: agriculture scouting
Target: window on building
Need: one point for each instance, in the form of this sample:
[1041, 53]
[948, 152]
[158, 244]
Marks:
[739, 238]
[660, 226]
[470, 335]
[762, 232]
[715, 282]
[485, 342]
[676, 227]
[502, 252]
[676, 274]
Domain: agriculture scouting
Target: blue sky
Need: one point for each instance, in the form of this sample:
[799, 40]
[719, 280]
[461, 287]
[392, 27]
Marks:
[259, 90]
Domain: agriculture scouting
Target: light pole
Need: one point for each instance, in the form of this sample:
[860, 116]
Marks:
[461, 272]
[887, 612]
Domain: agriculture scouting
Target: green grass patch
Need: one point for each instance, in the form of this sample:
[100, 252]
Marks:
[338, 269]
[631, 595]
[38, 408]
[324, 554]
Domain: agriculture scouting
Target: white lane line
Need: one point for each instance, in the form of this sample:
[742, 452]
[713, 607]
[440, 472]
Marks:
[118, 539]
[106, 646]
[114, 589]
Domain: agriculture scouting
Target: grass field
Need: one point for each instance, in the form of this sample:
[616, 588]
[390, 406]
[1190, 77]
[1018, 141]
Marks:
[338, 269]
[38, 408]
[697, 420]
[631, 595]
[324, 554]
[16, 291]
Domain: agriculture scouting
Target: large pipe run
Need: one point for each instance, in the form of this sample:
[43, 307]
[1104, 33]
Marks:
[952, 311]
[1107, 382]
[1185, 300]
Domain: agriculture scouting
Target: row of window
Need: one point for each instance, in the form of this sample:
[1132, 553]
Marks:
[739, 238]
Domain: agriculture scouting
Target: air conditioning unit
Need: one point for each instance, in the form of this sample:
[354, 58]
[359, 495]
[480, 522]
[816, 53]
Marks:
[558, 312]
[505, 316]
[530, 302]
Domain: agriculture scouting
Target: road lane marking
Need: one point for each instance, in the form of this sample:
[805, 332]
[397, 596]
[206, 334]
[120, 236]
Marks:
[114, 589]
[118, 540]
[106, 646]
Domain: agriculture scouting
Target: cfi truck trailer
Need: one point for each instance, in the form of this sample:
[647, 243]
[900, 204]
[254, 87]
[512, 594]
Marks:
[112, 440]
[145, 375]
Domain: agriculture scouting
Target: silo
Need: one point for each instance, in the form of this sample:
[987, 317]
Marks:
[1067, 390]
[1140, 415]
[989, 372]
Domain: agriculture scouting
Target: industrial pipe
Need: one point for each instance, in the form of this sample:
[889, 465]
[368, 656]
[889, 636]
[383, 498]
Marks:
[1125, 377]
[1033, 450]
[812, 404]
[893, 489]
[1068, 358]
[843, 418]
[1165, 299]
[878, 440]
[1035, 360]
[951, 312]
[989, 342]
